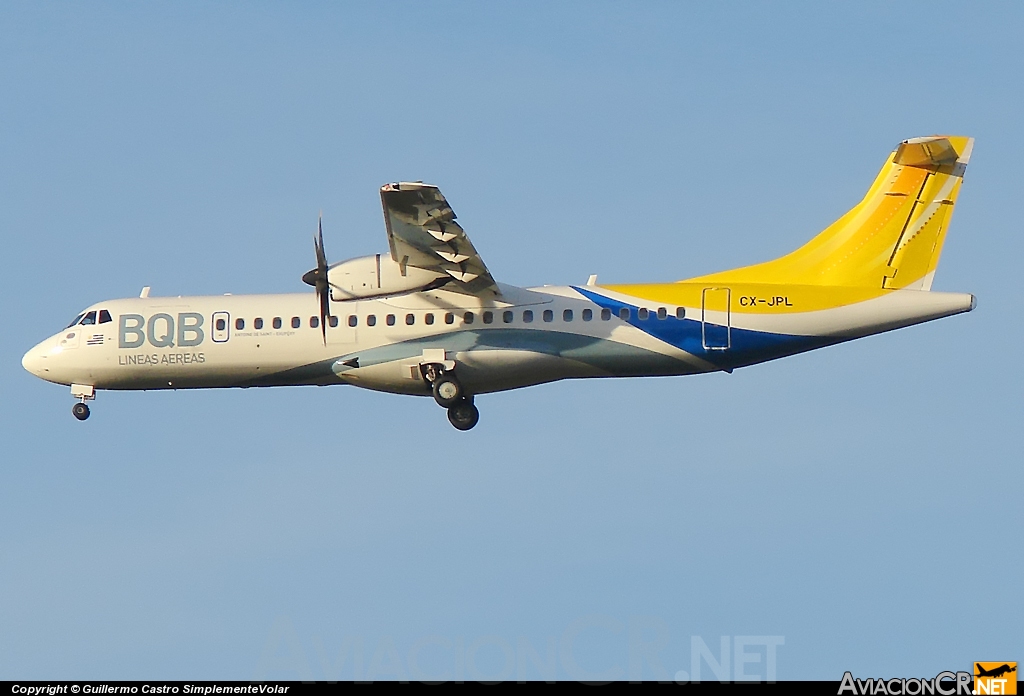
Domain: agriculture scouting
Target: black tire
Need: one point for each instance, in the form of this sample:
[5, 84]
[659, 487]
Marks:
[447, 391]
[463, 415]
[80, 411]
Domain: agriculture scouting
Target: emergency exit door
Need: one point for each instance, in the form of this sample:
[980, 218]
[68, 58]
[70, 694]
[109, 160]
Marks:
[715, 328]
[221, 326]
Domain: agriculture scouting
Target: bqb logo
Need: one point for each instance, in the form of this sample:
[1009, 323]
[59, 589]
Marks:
[995, 678]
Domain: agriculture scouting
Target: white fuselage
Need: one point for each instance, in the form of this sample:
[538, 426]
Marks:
[518, 338]
[524, 337]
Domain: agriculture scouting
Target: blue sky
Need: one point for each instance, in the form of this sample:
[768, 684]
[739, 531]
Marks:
[855, 501]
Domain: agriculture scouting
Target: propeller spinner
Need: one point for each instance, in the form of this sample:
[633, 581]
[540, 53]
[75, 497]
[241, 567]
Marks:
[318, 279]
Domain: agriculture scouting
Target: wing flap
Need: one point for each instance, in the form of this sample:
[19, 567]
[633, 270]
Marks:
[423, 233]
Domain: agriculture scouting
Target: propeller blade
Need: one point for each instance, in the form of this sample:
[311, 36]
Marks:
[324, 293]
[322, 288]
[321, 257]
[318, 278]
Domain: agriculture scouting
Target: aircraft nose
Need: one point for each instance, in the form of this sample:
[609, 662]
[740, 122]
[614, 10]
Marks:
[34, 360]
[30, 361]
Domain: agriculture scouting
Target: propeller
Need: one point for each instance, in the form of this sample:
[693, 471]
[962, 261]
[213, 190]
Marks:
[318, 278]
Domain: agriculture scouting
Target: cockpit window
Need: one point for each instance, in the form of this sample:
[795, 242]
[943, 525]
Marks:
[105, 317]
[89, 318]
[76, 320]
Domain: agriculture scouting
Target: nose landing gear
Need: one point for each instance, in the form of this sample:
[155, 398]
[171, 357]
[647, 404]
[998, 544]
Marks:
[83, 393]
[449, 394]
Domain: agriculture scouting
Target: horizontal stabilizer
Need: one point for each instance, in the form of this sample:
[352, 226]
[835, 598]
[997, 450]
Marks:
[926, 152]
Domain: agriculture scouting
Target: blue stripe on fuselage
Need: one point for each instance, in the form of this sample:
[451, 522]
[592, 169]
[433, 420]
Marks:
[747, 347]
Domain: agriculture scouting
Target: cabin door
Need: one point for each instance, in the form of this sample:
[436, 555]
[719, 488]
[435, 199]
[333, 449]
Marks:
[715, 328]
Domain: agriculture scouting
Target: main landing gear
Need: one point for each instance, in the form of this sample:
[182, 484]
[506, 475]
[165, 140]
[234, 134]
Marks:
[447, 390]
[449, 394]
[463, 415]
[83, 393]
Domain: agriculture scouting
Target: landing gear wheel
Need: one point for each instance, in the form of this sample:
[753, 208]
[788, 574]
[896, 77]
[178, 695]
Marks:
[447, 391]
[80, 411]
[463, 415]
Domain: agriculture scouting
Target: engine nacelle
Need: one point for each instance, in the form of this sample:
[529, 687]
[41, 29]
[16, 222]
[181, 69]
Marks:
[376, 276]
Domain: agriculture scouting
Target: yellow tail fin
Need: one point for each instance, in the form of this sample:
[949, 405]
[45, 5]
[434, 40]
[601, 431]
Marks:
[892, 238]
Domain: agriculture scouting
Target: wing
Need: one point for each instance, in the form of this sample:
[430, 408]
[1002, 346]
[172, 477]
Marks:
[423, 233]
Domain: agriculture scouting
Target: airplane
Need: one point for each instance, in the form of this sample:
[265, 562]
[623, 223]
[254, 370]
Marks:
[428, 318]
[995, 672]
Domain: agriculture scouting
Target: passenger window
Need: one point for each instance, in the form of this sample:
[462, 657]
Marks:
[587, 315]
[296, 322]
[239, 324]
[662, 313]
[624, 313]
[449, 318]
[277, 322]
[606, 314]
[371, 320]
[507, 317]
[221, 325]
[680, 313]
[390, 320]
[410, 319]
[257, 323]
[528, 316]
[548, 315]
[428, 319]
[89, 318]
[567, 315]
[642, 313]
[314, 322]
[333, 321]
[105, 316]
[467, 318]
[488, 317]
[353, 320]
